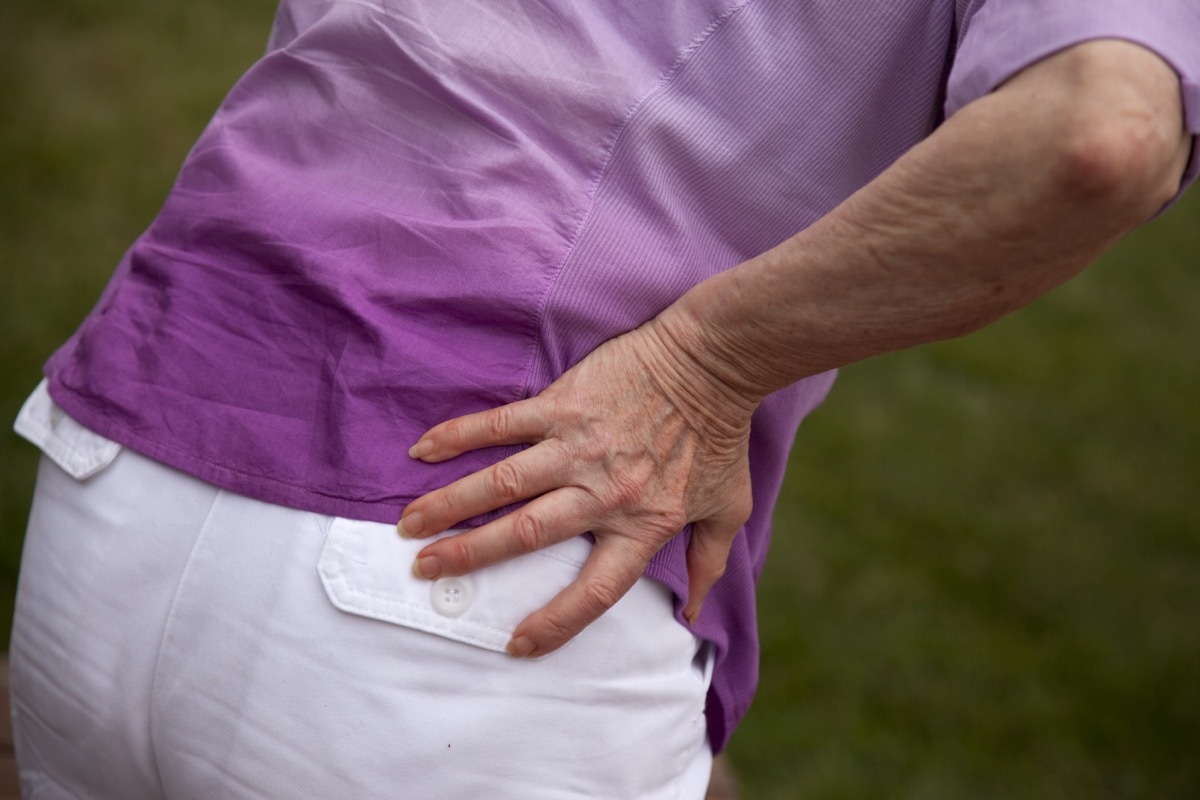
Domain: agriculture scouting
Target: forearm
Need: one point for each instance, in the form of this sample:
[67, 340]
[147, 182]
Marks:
[1012, 196]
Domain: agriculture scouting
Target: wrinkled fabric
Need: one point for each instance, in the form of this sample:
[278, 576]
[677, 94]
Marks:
[410, 210]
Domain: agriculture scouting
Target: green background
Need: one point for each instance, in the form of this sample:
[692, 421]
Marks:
[984, 580]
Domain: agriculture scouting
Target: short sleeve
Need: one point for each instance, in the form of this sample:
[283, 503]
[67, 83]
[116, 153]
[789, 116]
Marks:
[1001, 37]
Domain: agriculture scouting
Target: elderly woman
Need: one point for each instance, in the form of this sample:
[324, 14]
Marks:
[620, 247]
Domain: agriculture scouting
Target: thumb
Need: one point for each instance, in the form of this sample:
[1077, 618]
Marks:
[707, 553]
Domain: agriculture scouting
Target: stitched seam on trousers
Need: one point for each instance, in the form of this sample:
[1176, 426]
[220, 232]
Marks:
[183, 575]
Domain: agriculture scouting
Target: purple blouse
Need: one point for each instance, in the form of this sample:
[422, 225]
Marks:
[409, 210]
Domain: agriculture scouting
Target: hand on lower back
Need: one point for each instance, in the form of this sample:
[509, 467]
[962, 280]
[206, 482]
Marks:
[631, 444]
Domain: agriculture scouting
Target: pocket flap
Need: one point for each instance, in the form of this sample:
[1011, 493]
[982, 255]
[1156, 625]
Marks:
[366, 569]
[80, 452]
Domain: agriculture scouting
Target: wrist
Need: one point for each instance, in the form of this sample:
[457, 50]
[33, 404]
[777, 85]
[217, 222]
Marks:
[697, 366]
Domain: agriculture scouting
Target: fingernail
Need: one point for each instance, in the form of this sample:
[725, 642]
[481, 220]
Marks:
[428, 567]
[521, 647]
[693, 616]
[412, 526]
[420, 449]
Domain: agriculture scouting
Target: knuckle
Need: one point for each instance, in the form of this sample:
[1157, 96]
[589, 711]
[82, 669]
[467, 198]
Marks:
[625, 492]
[556, 628]
[458, 552]
[504, 482]
[441, 507]
[529, 531]
[453, 431]
[601, 594]
[499, 423]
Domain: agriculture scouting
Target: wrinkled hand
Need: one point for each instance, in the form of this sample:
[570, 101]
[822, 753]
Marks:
[632, 443]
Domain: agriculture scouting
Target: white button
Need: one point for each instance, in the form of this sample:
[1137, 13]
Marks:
[452, 596]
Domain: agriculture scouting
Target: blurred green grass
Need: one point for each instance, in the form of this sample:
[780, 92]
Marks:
[984, 578]
[984, 581]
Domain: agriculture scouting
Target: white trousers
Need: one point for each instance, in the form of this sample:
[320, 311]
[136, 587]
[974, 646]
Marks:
[173, 640]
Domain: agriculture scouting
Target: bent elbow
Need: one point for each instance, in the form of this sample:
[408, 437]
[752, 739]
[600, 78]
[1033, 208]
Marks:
[1128, 161]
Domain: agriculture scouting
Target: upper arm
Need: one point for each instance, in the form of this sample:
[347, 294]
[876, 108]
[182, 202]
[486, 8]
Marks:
[1007, 43]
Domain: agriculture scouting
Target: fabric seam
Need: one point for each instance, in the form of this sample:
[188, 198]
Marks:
[152, 721]
[661, 85]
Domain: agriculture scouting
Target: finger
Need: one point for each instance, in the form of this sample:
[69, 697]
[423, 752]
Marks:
[609, 572]
[515, 423]
[707, 555]
[519, 477]
[548, 520]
